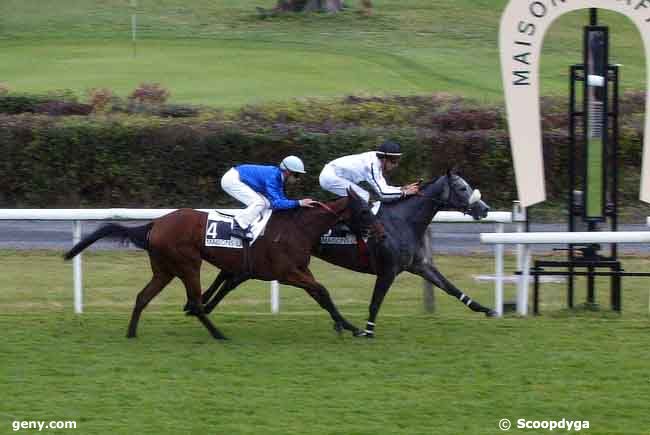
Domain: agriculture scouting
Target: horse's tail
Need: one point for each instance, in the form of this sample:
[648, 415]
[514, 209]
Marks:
[139, 236]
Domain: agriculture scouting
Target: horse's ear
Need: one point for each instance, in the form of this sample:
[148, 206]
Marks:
[452, 171]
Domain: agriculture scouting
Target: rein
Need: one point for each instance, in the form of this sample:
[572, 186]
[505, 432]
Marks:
[440, 202]
[327, 208]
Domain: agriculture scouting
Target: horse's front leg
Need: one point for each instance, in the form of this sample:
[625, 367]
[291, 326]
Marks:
[304, 279]
[382, 284]
[431, 274]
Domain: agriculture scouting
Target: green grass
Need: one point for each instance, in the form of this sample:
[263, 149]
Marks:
[220, 53]
[447, 373]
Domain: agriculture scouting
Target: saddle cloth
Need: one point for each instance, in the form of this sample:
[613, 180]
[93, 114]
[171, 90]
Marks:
[341, 234]
[219, 226]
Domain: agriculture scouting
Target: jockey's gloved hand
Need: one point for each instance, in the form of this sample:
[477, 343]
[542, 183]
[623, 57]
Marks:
[410, 189]
[307, 202]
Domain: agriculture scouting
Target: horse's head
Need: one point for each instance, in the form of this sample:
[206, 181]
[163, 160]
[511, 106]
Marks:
[458, 195]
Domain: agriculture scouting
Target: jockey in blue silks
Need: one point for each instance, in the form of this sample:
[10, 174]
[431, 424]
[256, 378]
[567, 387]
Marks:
[261, 187]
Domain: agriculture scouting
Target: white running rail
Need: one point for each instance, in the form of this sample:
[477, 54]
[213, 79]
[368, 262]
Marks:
[77, 216]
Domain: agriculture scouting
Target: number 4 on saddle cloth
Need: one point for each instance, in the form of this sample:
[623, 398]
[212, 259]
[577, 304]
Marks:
[219, 225]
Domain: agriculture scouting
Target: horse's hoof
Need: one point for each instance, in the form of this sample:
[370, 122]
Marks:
[338, 327]
[220, 337]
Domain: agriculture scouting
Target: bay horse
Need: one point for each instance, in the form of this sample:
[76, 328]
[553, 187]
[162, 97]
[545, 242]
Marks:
[176, 248]
[405, 222]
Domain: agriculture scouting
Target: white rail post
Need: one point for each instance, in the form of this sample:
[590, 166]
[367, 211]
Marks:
[76, 269]
[519, 218]
[275, 297]
[522, 288]
[498, 279]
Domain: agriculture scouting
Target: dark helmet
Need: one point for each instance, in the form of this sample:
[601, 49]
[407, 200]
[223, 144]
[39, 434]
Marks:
[389, 149]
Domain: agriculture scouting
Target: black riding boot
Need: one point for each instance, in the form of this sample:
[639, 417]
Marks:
[240, 232]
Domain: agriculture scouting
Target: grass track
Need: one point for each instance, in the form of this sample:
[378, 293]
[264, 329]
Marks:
[448, 373]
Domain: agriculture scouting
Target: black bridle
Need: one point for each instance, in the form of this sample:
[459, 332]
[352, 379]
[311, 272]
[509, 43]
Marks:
[444, 200]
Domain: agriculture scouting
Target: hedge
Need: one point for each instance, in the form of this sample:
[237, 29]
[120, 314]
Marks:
[142, 160]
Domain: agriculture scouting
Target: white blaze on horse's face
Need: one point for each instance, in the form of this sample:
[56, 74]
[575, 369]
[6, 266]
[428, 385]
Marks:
[474, 197]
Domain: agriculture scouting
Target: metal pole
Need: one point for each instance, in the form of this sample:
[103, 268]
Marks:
[76, 269]
[275, 297]
[593, 16]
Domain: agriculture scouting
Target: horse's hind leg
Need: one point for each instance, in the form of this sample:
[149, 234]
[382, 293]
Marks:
[305, 280]
[159, 280]
[431, 274]
[192, 280]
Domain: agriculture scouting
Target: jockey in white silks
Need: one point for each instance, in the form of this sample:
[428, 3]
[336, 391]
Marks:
[346, 172]
[261, 187]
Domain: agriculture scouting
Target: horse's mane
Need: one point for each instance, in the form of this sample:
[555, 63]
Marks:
[428, 183]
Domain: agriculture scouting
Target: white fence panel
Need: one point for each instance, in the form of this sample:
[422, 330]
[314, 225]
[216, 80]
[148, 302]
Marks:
[115, 214]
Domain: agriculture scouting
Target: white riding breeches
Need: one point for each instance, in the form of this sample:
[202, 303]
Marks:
[255, 203]
[331, 182]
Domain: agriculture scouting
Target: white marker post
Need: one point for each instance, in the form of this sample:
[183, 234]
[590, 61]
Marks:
[76, 269]
[134, 25]
[275, 297]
